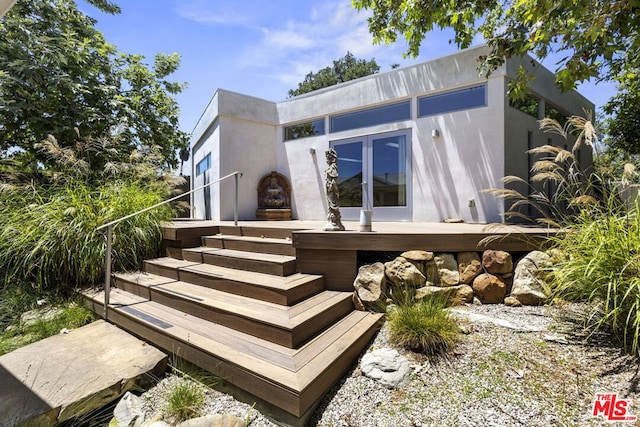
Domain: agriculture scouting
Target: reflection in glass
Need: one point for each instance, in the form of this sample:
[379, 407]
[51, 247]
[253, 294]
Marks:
[390, 171]
[372, 116]
[456, 100]
[350, 170]
[302, 130]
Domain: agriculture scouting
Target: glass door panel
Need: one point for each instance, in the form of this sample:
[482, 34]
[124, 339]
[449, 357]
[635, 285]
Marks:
[350, 169]
[374, 173]
[389, 182]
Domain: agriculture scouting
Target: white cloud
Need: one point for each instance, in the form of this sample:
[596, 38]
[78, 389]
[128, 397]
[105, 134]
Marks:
[218, 13]
[291, 49]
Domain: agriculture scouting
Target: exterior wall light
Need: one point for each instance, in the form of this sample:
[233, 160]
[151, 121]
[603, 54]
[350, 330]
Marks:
[435, 133]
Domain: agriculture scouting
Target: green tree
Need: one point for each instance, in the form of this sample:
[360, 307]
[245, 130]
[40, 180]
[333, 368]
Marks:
[60, 77]
[599, 39]
[343, 69]
[623, 127]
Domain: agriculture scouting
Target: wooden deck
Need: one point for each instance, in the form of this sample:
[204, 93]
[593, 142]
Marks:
[334, 255]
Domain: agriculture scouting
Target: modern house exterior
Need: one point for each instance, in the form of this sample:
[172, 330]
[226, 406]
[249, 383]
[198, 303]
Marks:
[419, 143]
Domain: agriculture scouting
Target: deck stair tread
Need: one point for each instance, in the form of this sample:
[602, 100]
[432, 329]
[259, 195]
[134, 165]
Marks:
[303, 373]
[267, 312]
[282, 283]
[286, 290]
[286, 325]
[258, 231]
[282, 265]
[243, 255]
[280, 246]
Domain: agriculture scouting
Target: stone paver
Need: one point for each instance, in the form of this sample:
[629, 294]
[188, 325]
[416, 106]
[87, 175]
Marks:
[66, 375]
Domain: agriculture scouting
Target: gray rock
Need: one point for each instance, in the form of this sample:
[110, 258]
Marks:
[497, 262]
[458, 294]
[448, 273]
[419, 258]
[75, 373]
[512, 302]
[530, 280]
[370, 285]
[386, 366]
[401, 272]
[32, 317]
[128, 412]
[469, 266]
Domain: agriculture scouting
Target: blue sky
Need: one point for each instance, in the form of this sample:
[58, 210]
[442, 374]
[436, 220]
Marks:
[258, 47]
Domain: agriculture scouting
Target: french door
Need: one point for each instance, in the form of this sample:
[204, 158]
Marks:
[375, 174]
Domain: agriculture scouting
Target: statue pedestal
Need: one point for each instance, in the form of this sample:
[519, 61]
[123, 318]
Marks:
[273, 214]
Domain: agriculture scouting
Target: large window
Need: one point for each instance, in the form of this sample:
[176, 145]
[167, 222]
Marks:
[372, 116]
[203, 165]
[302, 130]
[456, 100]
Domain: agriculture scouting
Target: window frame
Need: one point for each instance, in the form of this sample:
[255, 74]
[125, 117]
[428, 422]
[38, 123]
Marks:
[199, 169]
[454, 92]
[376, 117]
[312, 123]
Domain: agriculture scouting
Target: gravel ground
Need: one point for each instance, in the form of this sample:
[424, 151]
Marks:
[532, 370]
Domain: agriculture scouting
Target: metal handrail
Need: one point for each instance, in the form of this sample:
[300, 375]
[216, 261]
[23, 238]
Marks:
[109, 226]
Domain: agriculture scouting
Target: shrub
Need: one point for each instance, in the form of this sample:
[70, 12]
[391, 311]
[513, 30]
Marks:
[601, 238]
[185, 399]
[48, 236]
[604, 269]
[423, 326]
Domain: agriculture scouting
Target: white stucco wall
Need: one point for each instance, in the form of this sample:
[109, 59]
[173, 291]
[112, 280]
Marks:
[475, 149]
[240, 133]
[448, 171]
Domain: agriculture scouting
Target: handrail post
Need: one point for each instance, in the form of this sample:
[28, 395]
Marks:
[107, 270]
[109, 227]
[235, 205]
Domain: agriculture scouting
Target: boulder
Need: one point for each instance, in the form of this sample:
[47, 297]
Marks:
[419, 258]
[128, 412]
[512, 302]
[448, 274]
[370, 286]
[497, 262]
[401, 272]
[386, 366]
[458, 294]
[530, 280]
[469, 266]
[489, 289]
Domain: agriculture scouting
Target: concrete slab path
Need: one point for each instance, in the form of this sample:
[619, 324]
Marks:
[60, 377]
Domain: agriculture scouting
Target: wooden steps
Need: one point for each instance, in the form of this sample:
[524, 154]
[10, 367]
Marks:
[251, 244]
[276, 289]
[289, 326]
[291, 379]
[280, 265]
[238, 307]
